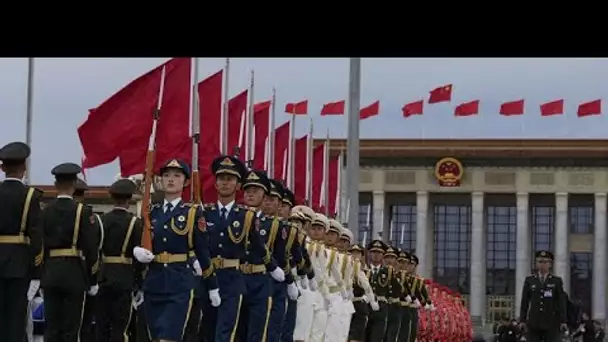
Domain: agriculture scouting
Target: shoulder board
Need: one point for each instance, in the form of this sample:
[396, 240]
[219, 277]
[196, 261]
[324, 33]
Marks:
[210, 206]
[186, 204]
[155, 205]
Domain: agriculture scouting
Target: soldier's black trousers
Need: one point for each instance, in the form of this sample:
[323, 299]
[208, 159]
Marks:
[114, 313]
[393, 322]
[13, 308]
[414, 319]
[542, 335]
[88, 331]
[406, 324]
[376, 325]
[63, 315]
[194, 322]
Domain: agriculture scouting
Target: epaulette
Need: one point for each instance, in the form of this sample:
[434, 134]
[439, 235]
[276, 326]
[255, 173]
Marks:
[210, 206]
[244, 207]
[186, 204]
[156, 205]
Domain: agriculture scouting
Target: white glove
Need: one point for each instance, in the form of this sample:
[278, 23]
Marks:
[292, 291]
[31, 292]
[143, 255]
[214, 296]
[417, 303]
[304, 282]
[197, 268]
[138, 299]
[365, 298]
[278, 275]
[408, 299]
[351, 295]
[93, 290]
[433, 308]
[427, 307]
[344, 294]
[375, 306]
[313, 284]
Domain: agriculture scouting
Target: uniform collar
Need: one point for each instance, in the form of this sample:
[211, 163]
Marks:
[174, 203]
[121, 209]
[65, 196]
[227, 206]
[14, 179]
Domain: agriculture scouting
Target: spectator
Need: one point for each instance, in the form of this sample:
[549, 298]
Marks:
[586, 329]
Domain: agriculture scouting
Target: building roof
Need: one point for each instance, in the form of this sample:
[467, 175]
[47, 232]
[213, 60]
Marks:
[439, 148]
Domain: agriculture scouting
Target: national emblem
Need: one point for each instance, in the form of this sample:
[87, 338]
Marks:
[448, 172]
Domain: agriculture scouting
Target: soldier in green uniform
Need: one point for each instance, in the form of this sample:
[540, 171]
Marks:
[543, 302]
[20, 242]
[420, 296]
[405, 301]
[381, 278]
[394, 294]
[71, 256]
[119, 275]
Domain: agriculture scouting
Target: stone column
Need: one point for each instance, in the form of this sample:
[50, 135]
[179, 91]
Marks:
[478, 261]
[598, 299]
[378, 215]
[522, 254]
[561, 265]
[422, 233]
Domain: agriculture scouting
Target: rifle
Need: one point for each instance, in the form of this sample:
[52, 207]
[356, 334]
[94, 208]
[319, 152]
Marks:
[146, 237]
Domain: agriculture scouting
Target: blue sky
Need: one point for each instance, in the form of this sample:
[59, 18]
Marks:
[66, 88]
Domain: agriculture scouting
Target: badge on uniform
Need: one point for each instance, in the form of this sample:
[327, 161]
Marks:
[202, 224]
[181, 218]
[236, 224]
[263, 232]
[548, 294]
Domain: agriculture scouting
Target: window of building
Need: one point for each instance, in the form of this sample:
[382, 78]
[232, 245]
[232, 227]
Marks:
[501, 246]
[452, 246]
[581, 219]
[366, 223]
[543, 221]
[581, 278]
[403, 221]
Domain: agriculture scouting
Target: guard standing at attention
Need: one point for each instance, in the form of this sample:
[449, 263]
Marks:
[71, 258]
[234, 230]
[20, 242]
[88, 329]
[179, 230]
[543, 302]
[380, 278]
[119, 276]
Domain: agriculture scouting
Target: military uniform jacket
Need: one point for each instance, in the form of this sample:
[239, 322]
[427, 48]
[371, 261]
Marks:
[381, 281]
[180, 231]
[395, 289]
[122, 232]
[19, 213]
[272, 234]
[419, 290]
[68, 225]
[543, 304]
[293, 251]
[305, 267]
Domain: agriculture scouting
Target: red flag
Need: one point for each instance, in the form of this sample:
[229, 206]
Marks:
[441, 94]
[318, 159]
[125, 118]
[512, 108]
[300, 171]
[333, 108]
[261, 120]
[237, 133]
[413, 108]
[369, 111]
[281, 145]
[299, 108]
[589, 108]
[334, 179]
[552, 108]
[210, 99]
[467, 109]
[173, 130]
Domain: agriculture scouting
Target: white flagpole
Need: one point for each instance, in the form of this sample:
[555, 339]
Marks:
[224, 124]
[326, 175]
[291, 152]
[195, 120]
[250, 148]
[271, 132]
[309, 150]
[29, 114]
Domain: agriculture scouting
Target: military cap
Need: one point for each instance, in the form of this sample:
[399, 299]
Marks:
[66, 171]
[356, 247]
[257, 178]
[15, 152]
[276, 189]
[346, 235]
[403, 256]
[414, 259]
[229, 165]
[288, 197]
[177, 164]
[81, 185]
[321, 220]
[376, 246]
[335, 226]
[544, 254]
[391, 251]
[307, 213]
[123, 187]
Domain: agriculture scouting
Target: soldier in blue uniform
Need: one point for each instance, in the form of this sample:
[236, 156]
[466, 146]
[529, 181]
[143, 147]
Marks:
[234, 230]
[179, 230]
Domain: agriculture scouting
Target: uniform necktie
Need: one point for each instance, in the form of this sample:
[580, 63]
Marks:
[169, 206]
[224, 213]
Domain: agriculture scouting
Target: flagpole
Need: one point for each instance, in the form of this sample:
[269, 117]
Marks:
[29, 114]
[309, 152]
[224, 132]
[339, 203]
[291, 151]
[326, 175]
[249, 132]
[195, 118]
[352, 152]
[271, 128]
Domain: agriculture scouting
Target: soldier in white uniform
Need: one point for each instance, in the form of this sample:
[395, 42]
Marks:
[347, 272]
[337, 265]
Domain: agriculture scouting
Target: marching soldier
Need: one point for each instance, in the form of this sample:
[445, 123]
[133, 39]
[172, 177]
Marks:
[119, 276]
[408, 309]
[234, 231]
[421, 296]
[20, 242]
[381, 277]
[543, 302]
[336, 264]
[71, 258]
[393, 320]
[347, 271]
[88, 330]
[363, 294]
[179, 231]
